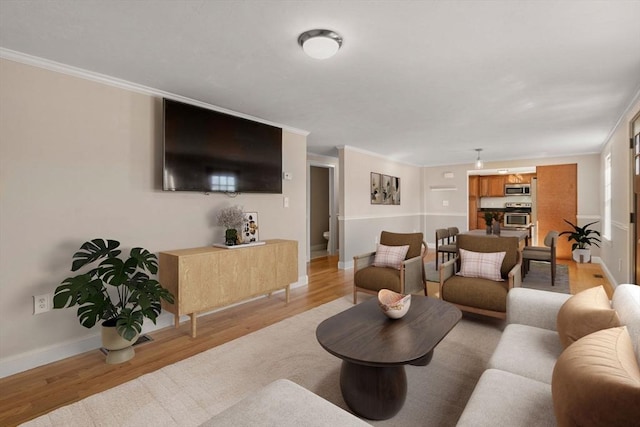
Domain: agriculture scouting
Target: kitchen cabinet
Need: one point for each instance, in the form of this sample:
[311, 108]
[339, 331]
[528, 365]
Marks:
[473, 186]
[491, 186]
[519, 178]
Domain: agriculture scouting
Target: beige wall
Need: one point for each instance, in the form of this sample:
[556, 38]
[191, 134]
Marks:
[360, 221]
[79, 160]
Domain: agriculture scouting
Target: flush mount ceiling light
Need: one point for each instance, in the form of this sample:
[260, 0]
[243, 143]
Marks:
[320, 44]
[479, 162]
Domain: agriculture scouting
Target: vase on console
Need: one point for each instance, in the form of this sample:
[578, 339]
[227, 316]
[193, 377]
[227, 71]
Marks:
[232, 218]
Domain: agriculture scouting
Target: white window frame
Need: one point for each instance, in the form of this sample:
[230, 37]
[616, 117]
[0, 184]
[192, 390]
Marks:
[606, 223]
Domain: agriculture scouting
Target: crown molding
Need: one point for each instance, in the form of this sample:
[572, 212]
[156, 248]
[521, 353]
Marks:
[70, 70]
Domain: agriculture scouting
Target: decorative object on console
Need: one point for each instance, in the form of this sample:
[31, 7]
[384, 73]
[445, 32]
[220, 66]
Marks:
[393, 304]
[250, 232]
[138, 296]
[583, 237]
[231, 218]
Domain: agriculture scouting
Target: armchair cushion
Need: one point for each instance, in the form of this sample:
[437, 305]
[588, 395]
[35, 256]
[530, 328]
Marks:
[585, 312]
[390, 256]
[485, 265]
[377, 278]
[484, 293]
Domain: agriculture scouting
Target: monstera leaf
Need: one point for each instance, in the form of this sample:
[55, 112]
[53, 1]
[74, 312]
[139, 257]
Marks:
[94, 250]
[113, 289]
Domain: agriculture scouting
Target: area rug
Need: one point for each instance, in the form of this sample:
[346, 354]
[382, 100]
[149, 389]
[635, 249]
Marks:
[539, 277]
[191, 391]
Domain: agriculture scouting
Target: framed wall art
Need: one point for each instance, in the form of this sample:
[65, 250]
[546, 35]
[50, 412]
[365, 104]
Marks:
[250, 228]
[385, 189]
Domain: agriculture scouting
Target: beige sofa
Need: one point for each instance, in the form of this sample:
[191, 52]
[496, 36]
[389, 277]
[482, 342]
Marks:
[532, 380]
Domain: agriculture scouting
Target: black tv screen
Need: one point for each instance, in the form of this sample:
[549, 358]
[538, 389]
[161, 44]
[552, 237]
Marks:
[209, 151]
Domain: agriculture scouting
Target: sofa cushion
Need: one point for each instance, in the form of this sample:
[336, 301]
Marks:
[528, 351]
[485, 265]
[504, 399]
[626, 302]
[585, 312]
[390, 256]
[284, 403]
[596, 381]
[473, 292]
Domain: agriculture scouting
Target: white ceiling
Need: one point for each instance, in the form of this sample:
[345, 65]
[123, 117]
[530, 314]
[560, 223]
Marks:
[424, 82]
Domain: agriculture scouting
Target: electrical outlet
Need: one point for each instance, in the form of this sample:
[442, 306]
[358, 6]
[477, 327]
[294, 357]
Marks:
[41, 303]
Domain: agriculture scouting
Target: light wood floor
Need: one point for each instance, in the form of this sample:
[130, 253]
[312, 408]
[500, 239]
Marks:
[29, 394]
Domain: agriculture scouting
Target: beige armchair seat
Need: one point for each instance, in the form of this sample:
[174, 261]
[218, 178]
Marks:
[407, 277]
[480, 294]
[546, 253]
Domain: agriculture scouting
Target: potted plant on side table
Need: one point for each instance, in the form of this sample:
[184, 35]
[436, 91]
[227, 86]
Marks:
[583, 237]
[117, 291]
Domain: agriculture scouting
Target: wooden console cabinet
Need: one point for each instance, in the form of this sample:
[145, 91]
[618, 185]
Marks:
[202, 279]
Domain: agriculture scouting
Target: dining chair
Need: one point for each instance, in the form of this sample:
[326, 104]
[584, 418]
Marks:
[546, 253]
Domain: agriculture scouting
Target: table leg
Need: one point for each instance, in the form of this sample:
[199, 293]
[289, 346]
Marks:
[376, 393]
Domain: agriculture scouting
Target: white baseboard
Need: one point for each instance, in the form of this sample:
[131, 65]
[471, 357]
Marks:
[42, 356]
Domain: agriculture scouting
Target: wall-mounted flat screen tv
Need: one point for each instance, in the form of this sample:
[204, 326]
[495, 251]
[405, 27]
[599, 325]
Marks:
[209, 151]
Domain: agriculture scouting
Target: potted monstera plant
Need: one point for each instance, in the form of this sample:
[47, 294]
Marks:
[115, 290]
[583, 238]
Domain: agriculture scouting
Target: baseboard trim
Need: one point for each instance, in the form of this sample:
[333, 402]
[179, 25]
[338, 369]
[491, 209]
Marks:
[35, 358]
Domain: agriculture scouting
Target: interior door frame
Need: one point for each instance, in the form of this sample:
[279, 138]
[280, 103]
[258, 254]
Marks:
[634, 145]
[333, 217]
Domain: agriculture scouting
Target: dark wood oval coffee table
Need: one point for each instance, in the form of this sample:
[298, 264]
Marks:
[374, 350]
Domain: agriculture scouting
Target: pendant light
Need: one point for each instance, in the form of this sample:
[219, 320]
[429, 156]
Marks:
[479, 162]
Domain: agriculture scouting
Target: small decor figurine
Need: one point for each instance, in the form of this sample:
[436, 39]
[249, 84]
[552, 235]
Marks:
[231, 218]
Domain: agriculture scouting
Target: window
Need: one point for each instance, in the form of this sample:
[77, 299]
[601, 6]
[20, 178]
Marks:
[606, 231]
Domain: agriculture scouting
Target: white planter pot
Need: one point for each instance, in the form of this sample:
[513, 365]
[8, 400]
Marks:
[582, 255]
[119, 349]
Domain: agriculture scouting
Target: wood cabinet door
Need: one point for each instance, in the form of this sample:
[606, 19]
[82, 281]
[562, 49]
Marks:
[473, 186]
[557, 199]
[496, 185]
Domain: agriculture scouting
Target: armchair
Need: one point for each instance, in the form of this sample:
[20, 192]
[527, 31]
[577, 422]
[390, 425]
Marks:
[474, 292]
[406, 276]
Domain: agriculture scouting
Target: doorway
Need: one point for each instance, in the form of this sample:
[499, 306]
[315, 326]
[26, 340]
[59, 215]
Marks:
[321, 226]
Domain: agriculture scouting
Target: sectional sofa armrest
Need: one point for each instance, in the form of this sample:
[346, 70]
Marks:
[534, 307]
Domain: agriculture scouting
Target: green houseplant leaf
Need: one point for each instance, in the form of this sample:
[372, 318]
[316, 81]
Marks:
[113, 289]
[583, 237]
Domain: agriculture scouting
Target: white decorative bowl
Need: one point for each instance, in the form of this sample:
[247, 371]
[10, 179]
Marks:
[393, 304]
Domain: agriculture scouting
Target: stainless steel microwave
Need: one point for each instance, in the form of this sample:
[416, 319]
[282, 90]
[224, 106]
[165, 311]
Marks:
[517, 189]
[517, 219]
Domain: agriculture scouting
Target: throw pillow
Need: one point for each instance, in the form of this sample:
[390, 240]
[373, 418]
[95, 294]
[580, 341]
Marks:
[390, 256]
[484, 265]
[585, 312]
[596, 381]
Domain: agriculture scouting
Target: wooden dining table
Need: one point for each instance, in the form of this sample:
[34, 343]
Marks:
[523, 235]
